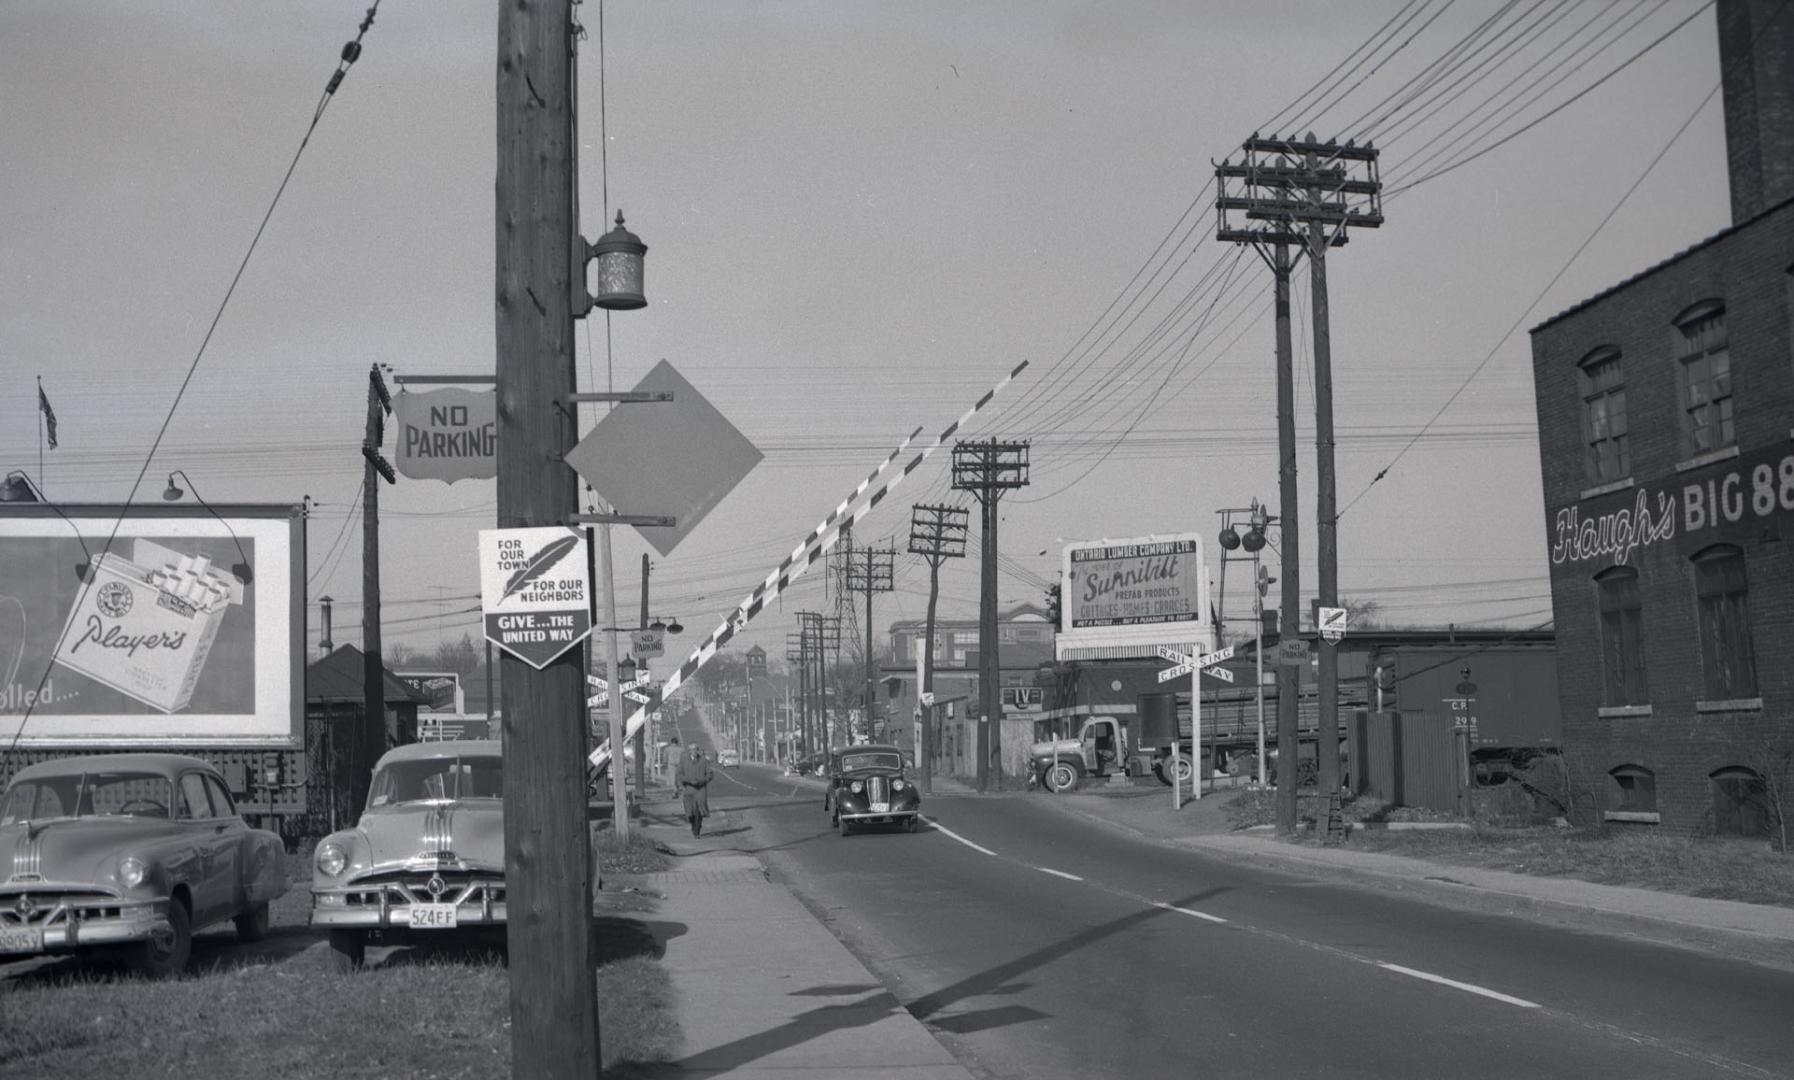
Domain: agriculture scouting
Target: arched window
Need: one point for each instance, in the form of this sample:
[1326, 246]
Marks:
[1740, 802]
[1622, 636]
[1606, 448]
[1704, 374]
[1722, 603]
[1635, 789]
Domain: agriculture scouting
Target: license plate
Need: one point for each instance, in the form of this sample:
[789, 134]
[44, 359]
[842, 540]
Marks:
[881, 808]
[22, 941]
[432, 916]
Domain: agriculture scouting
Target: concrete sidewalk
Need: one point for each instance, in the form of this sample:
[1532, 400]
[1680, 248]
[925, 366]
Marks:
[765, 990]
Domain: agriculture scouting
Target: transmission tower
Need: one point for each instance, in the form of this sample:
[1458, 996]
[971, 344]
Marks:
[987, 469]
[1305, 194]
[937, 533]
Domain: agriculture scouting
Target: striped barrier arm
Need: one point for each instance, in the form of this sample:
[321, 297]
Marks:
[814, 547]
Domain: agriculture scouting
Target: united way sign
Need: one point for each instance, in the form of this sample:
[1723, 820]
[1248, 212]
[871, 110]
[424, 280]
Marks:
[534, 591]
[447, 434]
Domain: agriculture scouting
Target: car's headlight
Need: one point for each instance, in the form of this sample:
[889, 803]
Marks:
[856, 787]
[130, 871]
[331, 859]
[897, 785]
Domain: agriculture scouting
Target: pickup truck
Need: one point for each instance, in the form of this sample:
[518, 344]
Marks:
[1107, 746]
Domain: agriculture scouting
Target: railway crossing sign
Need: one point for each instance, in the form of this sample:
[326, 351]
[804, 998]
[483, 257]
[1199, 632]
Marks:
[1185, 663]
[631, 690]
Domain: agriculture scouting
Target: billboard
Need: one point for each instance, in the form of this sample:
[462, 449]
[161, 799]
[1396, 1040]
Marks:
[151, 626]
[441, 690]
[1124, 598]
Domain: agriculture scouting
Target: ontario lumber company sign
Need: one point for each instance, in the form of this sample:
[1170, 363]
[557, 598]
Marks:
[1125, 598]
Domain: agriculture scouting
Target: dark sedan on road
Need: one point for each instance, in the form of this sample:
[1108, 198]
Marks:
[867, 786]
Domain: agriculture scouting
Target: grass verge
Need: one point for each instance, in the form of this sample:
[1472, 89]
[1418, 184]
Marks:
[1710, 867]
[427, 1017]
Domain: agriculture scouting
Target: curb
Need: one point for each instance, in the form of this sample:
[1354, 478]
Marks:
[1435, 884]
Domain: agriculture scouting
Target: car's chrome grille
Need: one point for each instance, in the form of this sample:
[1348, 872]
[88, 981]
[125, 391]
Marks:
[418, 888]
[878, 789]
[38, 909]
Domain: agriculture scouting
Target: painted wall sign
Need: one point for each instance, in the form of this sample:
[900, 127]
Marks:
[449, 434]
[1745, 499]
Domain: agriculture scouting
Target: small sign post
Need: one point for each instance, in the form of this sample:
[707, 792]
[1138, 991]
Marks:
[1193, 665]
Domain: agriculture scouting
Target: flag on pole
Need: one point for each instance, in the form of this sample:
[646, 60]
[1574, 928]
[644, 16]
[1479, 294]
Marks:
[49, 414]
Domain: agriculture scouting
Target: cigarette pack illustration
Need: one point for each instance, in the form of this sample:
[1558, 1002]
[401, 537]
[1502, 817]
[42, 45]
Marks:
[145, 625]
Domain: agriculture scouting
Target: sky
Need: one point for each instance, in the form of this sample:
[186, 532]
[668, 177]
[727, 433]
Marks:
[860, 216]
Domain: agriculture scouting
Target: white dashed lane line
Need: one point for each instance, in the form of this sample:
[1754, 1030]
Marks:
[1469, 988]
[938, 827]
[1192, 914]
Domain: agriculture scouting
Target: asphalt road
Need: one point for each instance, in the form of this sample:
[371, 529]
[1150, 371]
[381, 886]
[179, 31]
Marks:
[1040, 946]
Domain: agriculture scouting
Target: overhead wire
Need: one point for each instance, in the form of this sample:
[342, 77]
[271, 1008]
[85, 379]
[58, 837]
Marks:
[350, 53]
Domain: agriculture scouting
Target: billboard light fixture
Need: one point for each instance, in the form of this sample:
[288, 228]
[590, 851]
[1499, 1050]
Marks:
[174, 491]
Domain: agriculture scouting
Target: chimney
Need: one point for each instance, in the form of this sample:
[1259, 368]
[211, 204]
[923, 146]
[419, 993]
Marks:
[1756, 61]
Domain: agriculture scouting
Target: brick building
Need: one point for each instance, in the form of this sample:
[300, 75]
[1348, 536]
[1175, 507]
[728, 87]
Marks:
[1665, 406]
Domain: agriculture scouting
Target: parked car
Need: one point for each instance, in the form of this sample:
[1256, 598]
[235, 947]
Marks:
[868, 786]
[427, 858]
[130, 853]
[728, 759]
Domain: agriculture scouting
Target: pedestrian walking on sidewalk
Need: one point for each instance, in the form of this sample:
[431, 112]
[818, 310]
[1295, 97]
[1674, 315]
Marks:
[694, 775]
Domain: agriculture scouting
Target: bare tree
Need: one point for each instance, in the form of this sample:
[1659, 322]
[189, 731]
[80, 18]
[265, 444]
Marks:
[1363, 614]
[461, 657]
[397, 654]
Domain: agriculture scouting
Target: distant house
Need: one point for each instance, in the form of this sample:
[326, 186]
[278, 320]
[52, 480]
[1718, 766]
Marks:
[1664, 408]
[336, 709]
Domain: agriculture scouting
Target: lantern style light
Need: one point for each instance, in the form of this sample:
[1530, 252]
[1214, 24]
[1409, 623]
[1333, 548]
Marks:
[619, 254]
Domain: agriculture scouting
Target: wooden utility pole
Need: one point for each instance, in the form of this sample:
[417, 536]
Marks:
[371, 742]
[798, 652]
[1302, 193]
[548, 870]
[936, 533]
[987, 469]
[1289, 619]
[870, 570]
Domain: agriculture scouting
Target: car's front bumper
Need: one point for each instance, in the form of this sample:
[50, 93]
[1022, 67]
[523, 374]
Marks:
[879, 817]
[63, 926]
[401, 905]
